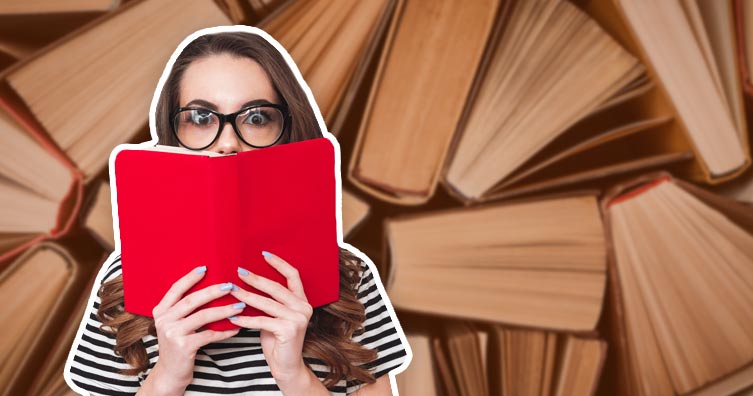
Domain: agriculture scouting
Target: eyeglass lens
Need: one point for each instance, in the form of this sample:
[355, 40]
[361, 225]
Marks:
[258, 126]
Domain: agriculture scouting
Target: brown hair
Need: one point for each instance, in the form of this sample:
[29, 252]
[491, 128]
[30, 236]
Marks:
[328, 337]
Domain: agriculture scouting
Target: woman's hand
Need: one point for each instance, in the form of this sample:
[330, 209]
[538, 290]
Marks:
[282, 334]
[176, 329]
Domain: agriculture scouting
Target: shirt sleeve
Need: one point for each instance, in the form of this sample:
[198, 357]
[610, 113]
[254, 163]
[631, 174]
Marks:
[381, 329]
[92, 365]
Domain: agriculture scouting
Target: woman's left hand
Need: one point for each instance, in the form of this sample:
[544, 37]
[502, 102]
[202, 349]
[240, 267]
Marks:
[282, 334]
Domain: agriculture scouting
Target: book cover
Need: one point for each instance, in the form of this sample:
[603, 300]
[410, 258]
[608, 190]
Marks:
[179, 211]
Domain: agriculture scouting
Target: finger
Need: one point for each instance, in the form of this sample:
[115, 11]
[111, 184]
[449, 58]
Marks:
[178, 289]
[276, 326]
[205, 337]
[265, 304]
[191, 302]
[274, 289]
[209, 315]
[289, 272]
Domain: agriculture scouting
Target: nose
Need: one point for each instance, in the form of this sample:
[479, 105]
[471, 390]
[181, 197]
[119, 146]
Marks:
[227, 142]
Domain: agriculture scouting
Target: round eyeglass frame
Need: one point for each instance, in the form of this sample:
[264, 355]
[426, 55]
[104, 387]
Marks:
[231, 119]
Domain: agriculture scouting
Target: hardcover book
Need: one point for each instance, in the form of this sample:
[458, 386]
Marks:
[180, 209]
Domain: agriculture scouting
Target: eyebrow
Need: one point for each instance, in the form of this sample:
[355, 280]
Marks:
[212, 106]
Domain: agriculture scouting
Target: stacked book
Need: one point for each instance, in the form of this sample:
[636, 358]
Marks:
[76, 80]
[563, 191]
[557, 193]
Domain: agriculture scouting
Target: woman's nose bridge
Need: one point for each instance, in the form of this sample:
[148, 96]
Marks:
[227, 132]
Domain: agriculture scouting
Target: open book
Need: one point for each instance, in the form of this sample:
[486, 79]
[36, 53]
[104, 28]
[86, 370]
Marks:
[681, 272]
[127, 50]
[474, 358]
[547, 95]
[180, 209]
[46, 164]
[537, 263]
[332, 52]
[39, 289]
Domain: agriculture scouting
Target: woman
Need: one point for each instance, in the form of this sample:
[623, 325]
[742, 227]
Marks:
[338, 349]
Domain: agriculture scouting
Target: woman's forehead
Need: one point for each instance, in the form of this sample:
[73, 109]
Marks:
[227, 81]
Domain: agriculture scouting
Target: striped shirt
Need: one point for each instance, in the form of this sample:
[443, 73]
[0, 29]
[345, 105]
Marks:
[233, 366]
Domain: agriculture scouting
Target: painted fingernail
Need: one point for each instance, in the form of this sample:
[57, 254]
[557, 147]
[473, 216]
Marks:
[226, 286]
[235, 287]
[239, 305]
[242, 271]
[233, 318]
[200, 270]
[266, 253]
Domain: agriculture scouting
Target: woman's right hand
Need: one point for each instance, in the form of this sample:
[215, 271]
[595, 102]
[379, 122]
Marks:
[176, 328]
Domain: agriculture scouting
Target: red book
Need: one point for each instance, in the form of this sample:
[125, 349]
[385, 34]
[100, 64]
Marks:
[179, 210]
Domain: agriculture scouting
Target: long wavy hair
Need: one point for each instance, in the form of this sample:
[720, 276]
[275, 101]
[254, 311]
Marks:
[328, 337]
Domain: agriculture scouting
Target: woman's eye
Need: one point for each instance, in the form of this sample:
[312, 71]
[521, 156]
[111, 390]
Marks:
[199, 117]
[258, 118]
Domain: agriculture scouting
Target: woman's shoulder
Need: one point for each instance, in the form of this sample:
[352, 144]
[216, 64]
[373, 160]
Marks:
[381, 330]
[93, 365]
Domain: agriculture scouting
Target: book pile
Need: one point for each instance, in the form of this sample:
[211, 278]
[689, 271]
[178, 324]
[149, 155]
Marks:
[575, 218]
[76, 80]
[558, 194]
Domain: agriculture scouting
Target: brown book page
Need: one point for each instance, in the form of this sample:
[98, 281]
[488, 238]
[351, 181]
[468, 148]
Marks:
[25, 162]
[665, 33]
[354, 211]
[331, 42]
[582, 360]
[10, 7]
[420, 377]
[38, 288]
[447, 377]
[129, 82]
[548, 46]
[548, 250]
[714, 249]
[524, 359]
[591, 143]
[467, 357]
[610, 18]
[50, 373]
[98, 219]
[415, 101]
[718, 21]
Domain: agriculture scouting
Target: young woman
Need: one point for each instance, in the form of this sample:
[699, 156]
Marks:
[230, 92]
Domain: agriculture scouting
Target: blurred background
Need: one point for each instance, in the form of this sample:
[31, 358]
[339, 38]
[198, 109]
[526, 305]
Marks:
[495, 156]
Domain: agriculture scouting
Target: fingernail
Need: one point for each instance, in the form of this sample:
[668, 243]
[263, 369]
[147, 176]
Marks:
[235, 287]
[233, 318]
[239, 305]
[242, 271]
[200, 270]
[226, 286]
[266, 253]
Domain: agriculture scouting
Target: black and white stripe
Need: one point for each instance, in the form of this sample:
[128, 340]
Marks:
[232, 367]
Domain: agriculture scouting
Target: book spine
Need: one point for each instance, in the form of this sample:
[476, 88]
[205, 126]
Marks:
[224, 209]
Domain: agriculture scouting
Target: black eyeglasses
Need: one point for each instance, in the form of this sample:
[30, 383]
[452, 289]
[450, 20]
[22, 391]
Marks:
[258, 126]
